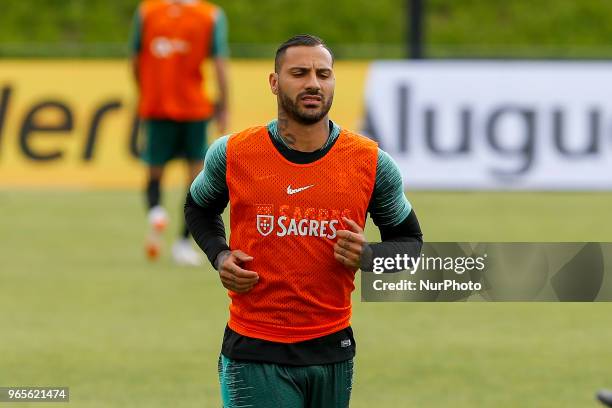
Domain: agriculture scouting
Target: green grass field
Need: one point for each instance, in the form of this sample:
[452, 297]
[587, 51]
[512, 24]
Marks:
[80, 307]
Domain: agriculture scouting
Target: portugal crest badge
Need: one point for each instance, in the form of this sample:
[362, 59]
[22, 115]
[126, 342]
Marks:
[265, 219]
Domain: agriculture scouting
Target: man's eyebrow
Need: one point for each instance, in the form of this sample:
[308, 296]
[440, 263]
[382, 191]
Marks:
[308, 67]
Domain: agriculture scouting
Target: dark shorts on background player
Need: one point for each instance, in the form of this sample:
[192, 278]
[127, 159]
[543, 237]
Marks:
[264, 385]
[168, 139]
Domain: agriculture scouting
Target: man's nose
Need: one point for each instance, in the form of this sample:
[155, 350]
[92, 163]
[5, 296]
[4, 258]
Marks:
[312, 82]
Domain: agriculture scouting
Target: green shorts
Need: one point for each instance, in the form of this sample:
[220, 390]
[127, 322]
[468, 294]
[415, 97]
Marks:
[168, 139]
[263, 385]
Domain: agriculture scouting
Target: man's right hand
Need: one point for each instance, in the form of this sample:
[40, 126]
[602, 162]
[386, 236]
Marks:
[232, 275]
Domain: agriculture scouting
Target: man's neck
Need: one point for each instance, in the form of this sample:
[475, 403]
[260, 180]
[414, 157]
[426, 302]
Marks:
[303, 138]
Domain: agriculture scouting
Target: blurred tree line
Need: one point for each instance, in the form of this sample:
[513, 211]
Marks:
[355, 28]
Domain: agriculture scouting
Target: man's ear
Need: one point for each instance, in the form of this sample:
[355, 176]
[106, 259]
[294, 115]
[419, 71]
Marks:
[273, 79]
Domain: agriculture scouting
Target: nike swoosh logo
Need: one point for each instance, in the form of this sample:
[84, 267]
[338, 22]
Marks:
[291, 191]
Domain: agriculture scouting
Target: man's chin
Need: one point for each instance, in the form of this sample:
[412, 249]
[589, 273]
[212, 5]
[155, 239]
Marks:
[309, 120]
[310, 117]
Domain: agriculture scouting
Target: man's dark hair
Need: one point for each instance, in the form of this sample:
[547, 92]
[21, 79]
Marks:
[296, 41]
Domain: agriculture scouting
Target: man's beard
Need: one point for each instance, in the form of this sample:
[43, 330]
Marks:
[303, 116]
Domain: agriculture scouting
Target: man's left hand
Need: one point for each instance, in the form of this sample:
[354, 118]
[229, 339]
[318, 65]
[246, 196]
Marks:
[350, 245]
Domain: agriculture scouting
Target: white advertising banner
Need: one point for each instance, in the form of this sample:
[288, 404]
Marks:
[494, 124]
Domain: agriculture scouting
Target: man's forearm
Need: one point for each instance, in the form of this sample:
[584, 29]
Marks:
[405, 238]
[221, 74]
[135, 69]
[207, 228]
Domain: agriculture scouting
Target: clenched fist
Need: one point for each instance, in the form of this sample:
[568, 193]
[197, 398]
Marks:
[350, 245]
[232, 275]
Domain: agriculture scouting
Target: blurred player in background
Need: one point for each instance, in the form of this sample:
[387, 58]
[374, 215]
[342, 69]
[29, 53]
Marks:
[299, 191]
[171, 39]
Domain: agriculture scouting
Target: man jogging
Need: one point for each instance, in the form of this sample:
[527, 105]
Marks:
[299, 191]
